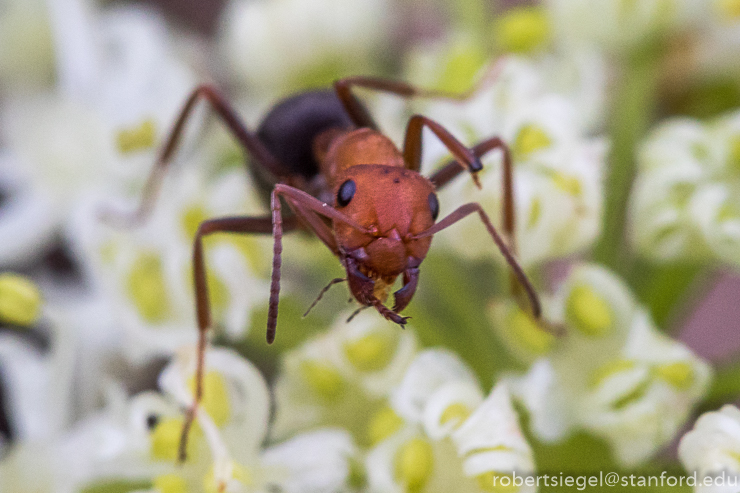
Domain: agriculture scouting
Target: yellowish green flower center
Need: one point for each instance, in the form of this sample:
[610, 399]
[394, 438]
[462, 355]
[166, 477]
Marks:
[528, 140]
[371, 352]
[728, 9]
[527, 333]
[146, 288]
[170, 483]
[414, 463]
[588, 312]
[20, 300]
[191, 219]
[383, 424]
[679, 374]
[534, 213]
[238, 473]
[137, 138]
[323, 379]
[522, 30]
[569, 184]
[165, 440]
[457, 412]
[728, 212]
[609, 369]
[215, 400]
[734, 154]
[460, 65]
[491, 481]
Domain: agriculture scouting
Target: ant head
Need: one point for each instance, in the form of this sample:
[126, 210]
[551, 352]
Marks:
[393, 202]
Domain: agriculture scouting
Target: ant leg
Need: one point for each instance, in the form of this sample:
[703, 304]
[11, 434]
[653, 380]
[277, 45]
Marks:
[466, 210]
[229, 116]
[242, 225]
[359, 114]
[412, 148]
[449, 171]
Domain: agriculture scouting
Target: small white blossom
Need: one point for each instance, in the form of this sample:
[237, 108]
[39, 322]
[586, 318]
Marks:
[441, 434]
[102, 139]
[341, 377]
[684, 202]
[712, 449]
[612, 373]
[146, 271]
[557, 166]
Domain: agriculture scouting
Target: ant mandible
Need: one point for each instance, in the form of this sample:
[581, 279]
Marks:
[322, 153]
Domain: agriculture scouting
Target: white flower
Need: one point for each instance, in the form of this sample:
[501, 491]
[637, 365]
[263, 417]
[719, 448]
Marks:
[684, 202]
[557, 166]
[613, 373]
[99, 137]
[146, 271]
[278, 45]
[342, 377]
[712, 449]
[136, 440]
[445, 435]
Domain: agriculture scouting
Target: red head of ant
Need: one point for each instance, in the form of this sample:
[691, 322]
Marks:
[321, 153]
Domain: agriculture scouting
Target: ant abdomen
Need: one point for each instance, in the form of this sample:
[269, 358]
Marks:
[289, 131]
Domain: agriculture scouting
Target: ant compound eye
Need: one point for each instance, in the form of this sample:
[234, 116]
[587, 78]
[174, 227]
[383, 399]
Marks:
[433, 205]
[345, 193]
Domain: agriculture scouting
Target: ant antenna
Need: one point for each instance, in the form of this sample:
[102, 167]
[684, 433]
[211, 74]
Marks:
[326, 288]
[356, 312]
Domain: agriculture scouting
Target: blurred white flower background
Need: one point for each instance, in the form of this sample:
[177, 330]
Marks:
[622, 119]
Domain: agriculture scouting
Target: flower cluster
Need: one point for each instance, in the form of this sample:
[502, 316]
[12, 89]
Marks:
[614, 129]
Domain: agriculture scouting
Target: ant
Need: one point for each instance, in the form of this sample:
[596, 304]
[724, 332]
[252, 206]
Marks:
[321, 153]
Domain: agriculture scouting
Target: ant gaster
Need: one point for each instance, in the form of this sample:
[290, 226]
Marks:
[322, 154]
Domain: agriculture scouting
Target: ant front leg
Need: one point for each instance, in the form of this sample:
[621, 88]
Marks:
[412, 146]
[473, 207]
[452, 169]
[230, 118]
[240, 225]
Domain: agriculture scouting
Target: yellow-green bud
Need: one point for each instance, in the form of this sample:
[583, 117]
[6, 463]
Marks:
[138, 138]
[323, 379]
[215, 399]
[522, 30]
[165, 440]
[383, 424]
[528, 140]
[20, 300]
[491, 481]
[170, 483]
[588, 312]
[371, 352]
[611, 368]
[679, 374]
[414, 463]
[146, 288]
[457, 412]
[527, 333]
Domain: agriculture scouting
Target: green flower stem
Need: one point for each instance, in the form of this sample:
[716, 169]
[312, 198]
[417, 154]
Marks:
[633, 111]
[666, 289]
